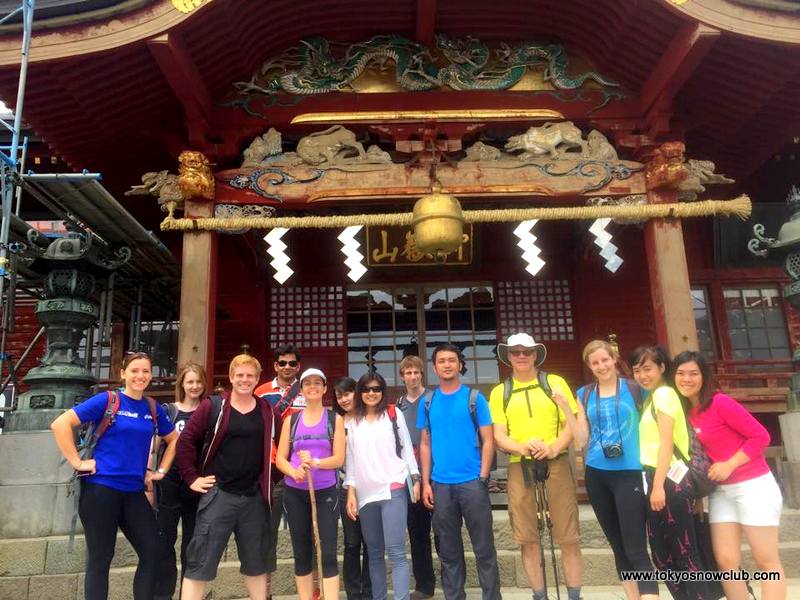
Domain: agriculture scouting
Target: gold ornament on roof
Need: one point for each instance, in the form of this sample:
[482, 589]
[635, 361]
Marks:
[194, 175]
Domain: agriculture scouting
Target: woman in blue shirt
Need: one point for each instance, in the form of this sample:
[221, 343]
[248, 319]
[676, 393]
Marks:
[613, 474]
[113, 490]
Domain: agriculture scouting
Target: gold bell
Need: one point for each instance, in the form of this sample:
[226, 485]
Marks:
[438, 223]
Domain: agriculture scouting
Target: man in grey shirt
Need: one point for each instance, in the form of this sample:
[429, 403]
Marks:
[419, 517]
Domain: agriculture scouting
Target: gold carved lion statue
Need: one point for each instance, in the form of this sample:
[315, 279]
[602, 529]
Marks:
[194, 175]
[667, 168]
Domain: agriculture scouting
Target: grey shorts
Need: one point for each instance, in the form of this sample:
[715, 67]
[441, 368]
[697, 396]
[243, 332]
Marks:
[218, 515]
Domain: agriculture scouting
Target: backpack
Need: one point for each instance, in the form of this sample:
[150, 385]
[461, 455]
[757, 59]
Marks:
[427, 398]
[698, 462]
[330, 428]
[172, 411]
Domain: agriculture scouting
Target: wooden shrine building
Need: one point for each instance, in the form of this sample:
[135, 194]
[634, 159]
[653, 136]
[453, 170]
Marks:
[341, 109]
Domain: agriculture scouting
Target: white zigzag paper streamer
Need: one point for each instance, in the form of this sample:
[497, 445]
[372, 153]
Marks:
[276, 249]
[353, 258]
[603, 240]
[527, 241]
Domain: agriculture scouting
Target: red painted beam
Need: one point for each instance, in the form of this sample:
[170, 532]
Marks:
[426, 21]
[681, 58]
[184, 78]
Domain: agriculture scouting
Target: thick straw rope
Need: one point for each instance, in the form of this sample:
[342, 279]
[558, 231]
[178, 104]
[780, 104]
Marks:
[739, 207]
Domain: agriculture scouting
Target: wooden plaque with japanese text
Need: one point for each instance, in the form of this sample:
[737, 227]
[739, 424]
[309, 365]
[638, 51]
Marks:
[395, 247]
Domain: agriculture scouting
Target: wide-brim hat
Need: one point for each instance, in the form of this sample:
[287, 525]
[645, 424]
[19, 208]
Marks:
[525, 341]
[312, 371]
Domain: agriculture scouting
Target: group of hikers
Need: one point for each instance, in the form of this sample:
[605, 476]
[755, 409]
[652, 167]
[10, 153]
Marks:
[240, 462]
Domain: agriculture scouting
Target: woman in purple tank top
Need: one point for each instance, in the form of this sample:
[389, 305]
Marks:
[312, 444]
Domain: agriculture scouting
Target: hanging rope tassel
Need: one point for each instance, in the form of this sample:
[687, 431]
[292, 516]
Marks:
[740, 207]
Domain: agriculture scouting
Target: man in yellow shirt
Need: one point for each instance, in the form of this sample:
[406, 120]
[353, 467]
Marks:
[527, 424]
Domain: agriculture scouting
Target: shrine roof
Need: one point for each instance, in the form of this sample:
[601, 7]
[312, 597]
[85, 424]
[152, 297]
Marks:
[100, 97]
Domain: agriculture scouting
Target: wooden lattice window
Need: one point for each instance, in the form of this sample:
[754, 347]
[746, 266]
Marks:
[541, 307]
[310, 317]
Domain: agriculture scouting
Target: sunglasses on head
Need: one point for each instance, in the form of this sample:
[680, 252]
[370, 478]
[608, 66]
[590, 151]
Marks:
[375, 389]
[134, 354]
[283, 363]
[521, 352]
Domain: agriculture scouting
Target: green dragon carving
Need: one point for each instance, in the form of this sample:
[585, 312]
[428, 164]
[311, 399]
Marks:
[312, 67]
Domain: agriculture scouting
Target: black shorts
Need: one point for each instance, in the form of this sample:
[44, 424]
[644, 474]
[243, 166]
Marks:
[218, 515]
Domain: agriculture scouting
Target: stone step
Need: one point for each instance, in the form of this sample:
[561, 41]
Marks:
[598, 571]
[49, 556]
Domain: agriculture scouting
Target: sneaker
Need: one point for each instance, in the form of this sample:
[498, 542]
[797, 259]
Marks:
[417, 595]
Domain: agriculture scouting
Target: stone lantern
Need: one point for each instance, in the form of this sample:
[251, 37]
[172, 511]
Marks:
[787, 244]
[32, 476]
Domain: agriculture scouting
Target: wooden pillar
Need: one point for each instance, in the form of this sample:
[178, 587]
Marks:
[198, 291]
[669, 279]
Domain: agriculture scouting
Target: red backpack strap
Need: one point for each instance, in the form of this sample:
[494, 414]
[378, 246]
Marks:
[153, 405]
[112, 406]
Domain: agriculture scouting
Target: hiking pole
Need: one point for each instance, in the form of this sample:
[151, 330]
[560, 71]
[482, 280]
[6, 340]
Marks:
[315, 533]
[529, 476]
[549, 522]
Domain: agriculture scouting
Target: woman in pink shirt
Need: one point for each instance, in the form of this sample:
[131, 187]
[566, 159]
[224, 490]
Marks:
[747, 499]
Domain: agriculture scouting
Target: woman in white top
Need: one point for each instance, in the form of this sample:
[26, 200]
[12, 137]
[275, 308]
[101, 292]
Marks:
[380, 462]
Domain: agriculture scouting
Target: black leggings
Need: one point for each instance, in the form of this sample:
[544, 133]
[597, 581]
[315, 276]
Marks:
[103, 510]
[176, 502]
[620, 506]
[297, 504]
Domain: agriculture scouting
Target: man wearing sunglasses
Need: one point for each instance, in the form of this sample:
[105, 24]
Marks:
[528, 424]
[283, 394]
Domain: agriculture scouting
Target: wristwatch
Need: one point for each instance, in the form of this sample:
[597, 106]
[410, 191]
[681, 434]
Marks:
[316, 463]
[484, 480]
[415, 478]
[160, 470]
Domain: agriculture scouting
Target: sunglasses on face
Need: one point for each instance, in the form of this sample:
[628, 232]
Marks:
[375, 389]
[283, 363]
[521, 352]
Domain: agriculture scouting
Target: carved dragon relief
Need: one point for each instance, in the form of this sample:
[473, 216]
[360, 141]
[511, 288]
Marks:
[312, 67]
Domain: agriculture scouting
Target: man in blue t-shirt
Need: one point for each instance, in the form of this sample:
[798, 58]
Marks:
[458, 442]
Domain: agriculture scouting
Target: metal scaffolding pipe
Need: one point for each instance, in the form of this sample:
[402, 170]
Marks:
[8, 191]
[18, 189]
[61, 176]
